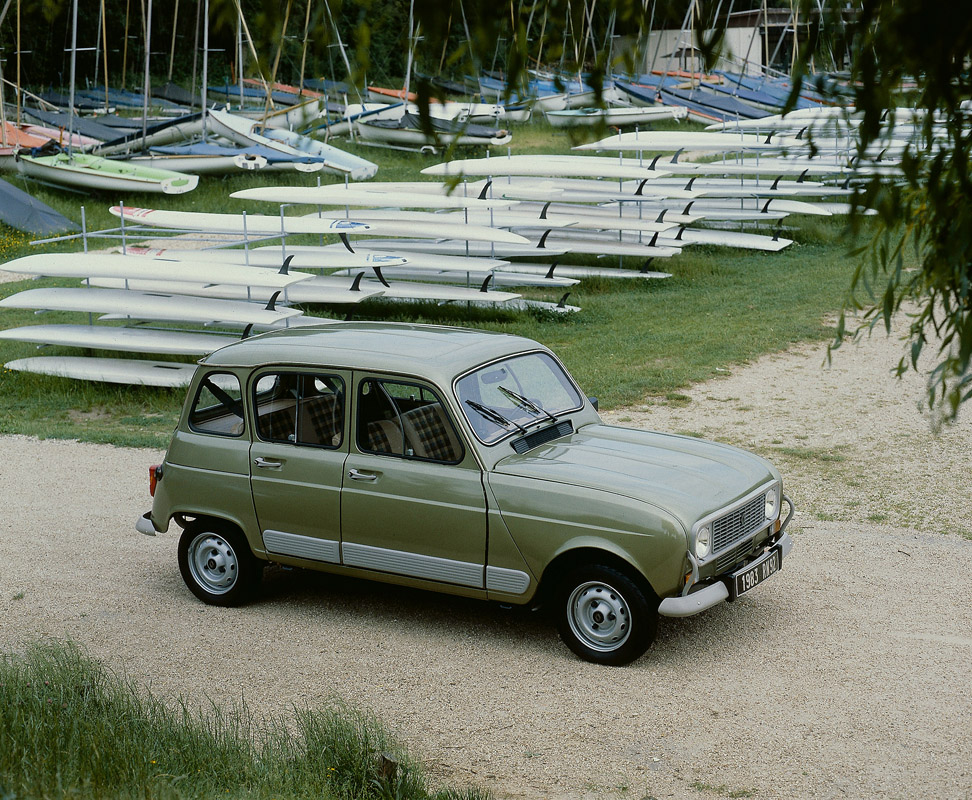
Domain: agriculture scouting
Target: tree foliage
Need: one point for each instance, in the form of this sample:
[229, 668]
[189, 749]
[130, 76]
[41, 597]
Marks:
[909, 54]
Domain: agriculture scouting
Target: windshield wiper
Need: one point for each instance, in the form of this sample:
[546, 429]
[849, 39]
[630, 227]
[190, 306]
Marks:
[526, 403]
[494, 416]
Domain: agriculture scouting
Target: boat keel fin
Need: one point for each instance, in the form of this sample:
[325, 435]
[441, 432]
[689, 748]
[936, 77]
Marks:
[543, 239]
[271, 306]
[356, 283]
[347, 244]
[285, 269]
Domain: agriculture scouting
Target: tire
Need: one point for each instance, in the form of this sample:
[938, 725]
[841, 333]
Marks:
[217, 564]
[604, 616]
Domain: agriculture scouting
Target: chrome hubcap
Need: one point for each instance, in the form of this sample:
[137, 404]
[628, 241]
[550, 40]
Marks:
[599, 616]
[213, 563]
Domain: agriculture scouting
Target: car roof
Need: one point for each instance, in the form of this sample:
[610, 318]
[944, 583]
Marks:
[436, 352]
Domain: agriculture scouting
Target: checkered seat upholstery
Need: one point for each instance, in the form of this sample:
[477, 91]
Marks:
[277, 425]
[321, 420]
[431, 434]
[383, 436]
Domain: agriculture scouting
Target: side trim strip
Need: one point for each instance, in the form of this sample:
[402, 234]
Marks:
[292, 544]
[413, 564]
[511, 581]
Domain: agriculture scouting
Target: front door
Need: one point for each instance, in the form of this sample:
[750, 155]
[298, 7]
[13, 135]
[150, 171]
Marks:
[297, 460]
[413, 501]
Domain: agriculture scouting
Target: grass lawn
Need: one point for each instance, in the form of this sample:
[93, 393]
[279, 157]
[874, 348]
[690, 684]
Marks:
[71, 729]
[633, 339]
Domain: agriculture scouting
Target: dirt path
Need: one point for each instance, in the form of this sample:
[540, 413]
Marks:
[845, 676]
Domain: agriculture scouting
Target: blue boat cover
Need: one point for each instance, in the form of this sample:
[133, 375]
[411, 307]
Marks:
[208, 149]
[21, 211]
[82, 125]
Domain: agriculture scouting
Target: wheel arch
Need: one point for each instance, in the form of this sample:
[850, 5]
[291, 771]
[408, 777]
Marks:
[184, 518]
[566, 561]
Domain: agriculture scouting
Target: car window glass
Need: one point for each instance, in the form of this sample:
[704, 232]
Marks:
[300, 408]
[218, 406]
[517, 391]
[406, 420]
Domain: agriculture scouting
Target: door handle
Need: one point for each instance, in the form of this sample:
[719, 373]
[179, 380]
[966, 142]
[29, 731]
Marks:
[362, 476]
[266, 464]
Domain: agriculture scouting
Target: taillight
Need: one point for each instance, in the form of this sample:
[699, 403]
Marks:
[155, 475]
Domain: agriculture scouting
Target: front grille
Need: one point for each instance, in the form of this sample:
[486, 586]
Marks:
[735, 556]
[738, 524]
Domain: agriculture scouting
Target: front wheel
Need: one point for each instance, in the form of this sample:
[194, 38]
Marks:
[604, 616]
[217, 564]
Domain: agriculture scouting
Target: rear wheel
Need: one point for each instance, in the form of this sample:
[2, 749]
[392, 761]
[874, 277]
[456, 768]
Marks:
[604, 616]
[217, 564]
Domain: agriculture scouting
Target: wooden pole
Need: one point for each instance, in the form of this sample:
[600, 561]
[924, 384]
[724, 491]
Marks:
[128, 4]
[175, 22]
[303, 54]
[276, 60]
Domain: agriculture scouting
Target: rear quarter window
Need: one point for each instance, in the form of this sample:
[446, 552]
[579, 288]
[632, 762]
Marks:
[217, 408]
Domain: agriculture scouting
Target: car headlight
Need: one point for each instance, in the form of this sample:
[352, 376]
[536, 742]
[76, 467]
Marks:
[772, 504]
[703, 541]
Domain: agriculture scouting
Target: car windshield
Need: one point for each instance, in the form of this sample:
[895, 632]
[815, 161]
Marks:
[508, 396]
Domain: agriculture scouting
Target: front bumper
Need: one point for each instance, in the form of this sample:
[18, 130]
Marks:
[718, 591]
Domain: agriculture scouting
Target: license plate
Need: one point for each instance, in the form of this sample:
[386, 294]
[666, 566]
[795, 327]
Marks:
[753, 575]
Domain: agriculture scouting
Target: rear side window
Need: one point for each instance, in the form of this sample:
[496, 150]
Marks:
[218, 406]
[300, 408]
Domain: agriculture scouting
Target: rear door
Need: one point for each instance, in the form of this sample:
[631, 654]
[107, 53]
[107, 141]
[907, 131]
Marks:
[297, 457]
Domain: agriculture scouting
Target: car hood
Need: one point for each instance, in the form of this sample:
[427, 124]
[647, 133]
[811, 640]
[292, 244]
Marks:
[689, 478]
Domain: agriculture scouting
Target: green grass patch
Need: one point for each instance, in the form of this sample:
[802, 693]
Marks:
[810, 454]
[71, 729]
[633, 339]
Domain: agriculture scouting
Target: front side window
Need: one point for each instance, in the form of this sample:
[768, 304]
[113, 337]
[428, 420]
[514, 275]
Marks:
[300, 408]
[218, 406]
[406, 420]
[510, 395]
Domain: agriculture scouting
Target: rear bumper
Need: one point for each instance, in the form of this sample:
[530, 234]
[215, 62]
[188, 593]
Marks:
[144, 524]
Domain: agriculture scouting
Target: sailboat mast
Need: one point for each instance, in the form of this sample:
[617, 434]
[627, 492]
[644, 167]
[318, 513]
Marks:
[205, 64]
[104, 47]
[146, 86]
[74, 58]
[18, 63]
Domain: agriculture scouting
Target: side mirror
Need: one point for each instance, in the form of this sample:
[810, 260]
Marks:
[593, 401]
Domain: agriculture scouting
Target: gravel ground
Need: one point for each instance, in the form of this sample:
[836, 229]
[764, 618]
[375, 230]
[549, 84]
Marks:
[847, 675]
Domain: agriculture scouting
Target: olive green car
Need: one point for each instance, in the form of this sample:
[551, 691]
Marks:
[460, 461]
